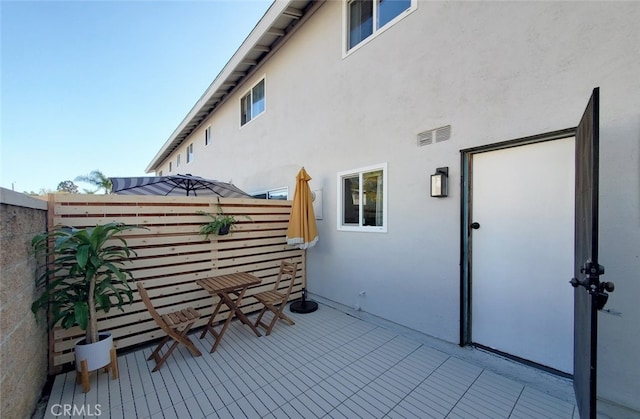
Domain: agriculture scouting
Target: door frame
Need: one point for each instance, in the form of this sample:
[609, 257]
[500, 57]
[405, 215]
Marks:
[466, 207]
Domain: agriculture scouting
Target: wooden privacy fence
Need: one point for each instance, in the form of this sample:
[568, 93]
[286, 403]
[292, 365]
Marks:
[172, 255]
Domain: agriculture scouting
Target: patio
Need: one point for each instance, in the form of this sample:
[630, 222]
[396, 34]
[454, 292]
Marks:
[330, 364]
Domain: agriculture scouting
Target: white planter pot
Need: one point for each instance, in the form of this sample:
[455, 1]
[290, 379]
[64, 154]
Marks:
[97, 354]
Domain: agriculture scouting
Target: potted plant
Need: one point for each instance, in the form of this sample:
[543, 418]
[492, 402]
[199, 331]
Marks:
[220, 224]
[83, 275]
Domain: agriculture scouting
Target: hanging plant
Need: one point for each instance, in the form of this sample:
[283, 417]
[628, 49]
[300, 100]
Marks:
[220, 224]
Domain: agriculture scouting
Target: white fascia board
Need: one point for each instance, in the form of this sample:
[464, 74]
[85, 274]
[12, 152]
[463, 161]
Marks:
[261, 28]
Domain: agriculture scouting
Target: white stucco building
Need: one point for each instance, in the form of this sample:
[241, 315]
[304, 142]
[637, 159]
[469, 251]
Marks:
[373, 97]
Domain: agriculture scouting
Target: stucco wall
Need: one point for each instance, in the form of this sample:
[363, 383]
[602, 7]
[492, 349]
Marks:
[494, 71]
[23, 341]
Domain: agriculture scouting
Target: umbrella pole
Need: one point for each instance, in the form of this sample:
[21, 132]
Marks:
[303, 305]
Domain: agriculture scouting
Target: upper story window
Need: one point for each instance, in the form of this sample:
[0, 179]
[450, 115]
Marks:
[362, 202]
[207, 135]
[160, 173]
[170, 166]
[178, 161]
[190, 153]
[369, 17]
[280, 193]
[252, 103]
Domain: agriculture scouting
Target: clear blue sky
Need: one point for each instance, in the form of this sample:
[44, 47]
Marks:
[89, 85]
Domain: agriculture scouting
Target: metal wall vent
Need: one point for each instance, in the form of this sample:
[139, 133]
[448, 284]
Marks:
[434, 136]
[425, 138]
[443, 133]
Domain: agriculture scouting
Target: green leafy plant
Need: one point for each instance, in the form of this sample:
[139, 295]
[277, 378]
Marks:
[219, 224]
[83, 274]
[97, 179]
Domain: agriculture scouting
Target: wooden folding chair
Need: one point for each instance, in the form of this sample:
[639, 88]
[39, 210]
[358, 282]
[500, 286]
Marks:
[175, 324]
[275, 300]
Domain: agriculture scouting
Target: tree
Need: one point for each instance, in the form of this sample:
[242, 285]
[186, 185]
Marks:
[67, 186]
[83, 274]
[41, 192]
[97, 179]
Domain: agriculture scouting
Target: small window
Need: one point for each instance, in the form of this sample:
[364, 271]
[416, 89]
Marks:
[362, 203]
[178, 161]
[280, 193]
[160, 173]
[368, 17]
[170, 166]
[253, 103]
[189, 153]
[207, 135]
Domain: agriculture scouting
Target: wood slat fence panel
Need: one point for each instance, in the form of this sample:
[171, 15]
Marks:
[172, 255]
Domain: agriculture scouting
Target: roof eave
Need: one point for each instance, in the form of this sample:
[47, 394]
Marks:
[268, 32]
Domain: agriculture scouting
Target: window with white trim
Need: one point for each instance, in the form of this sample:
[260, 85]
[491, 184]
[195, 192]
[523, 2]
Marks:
[252, 103]
[362, 202]
[189, 153]
[160, 173]
[178, 161]
[280, 193]
[366, 18]
[170, 166]
[207, 135]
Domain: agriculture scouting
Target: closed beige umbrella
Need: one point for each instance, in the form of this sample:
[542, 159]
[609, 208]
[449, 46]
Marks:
[302, 233]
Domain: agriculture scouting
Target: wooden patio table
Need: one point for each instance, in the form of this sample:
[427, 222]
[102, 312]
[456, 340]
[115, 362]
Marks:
[222, 286]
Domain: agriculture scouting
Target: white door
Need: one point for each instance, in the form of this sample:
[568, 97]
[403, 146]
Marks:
[522, 252]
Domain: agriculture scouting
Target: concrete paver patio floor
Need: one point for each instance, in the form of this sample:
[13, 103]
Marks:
[330, 364]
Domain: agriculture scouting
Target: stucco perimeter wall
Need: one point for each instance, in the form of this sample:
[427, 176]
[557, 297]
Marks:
[494, 71]
[23, 341]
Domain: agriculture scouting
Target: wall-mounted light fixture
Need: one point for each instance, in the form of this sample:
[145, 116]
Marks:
[439, 182]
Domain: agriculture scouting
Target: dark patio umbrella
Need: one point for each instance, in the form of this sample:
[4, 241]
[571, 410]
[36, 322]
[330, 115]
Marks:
[176, 185]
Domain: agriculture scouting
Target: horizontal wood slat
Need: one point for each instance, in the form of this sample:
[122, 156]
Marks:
[171, 255]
